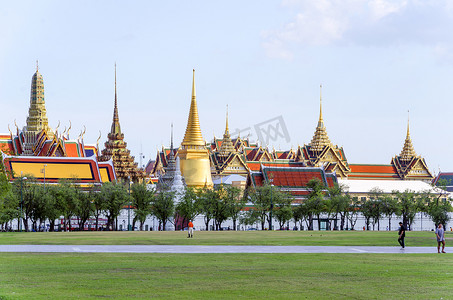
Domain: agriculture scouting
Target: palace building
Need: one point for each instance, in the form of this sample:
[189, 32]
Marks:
[49, 155]
[246, 164]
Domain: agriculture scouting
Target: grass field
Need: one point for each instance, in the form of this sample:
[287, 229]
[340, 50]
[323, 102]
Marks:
[220, 276]
[289, 238]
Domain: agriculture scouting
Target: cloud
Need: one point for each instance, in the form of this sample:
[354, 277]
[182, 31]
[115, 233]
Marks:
[362, 23]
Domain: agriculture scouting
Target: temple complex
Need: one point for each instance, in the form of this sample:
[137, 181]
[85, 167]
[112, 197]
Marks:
[116, 150]
[193, 154]
[235, 160]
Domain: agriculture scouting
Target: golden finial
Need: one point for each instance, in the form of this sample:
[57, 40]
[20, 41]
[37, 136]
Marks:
[58, 126]
[37, 66]
[227, 129]
[97, 141]
[70, 126]
[193, 136]
[10, 132]
[320, 102]
[17, 127]
[408, 122]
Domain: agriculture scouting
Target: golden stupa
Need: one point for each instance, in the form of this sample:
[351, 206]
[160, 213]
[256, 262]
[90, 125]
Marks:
[193, 154]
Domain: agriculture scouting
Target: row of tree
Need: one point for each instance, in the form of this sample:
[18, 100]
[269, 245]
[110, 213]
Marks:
[36, 203]
[336, 205]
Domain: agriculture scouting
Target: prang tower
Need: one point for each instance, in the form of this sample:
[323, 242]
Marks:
[193, 154]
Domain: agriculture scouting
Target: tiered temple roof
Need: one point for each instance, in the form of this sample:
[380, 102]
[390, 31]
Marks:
[321, 152]
[116, 150]
[39, 152]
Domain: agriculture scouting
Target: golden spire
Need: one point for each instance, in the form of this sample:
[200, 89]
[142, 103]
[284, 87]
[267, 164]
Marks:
[116, 128]
[408, 151]
[227, 145]
[320, 138]
[193, 136]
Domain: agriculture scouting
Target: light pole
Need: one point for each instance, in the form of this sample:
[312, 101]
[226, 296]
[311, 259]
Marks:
[271, 180]
[21, 186]
[129, 207]
[43, 170]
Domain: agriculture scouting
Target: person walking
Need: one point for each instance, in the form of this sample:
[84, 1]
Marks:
[190, 229]
[401, 235]
[440, 238]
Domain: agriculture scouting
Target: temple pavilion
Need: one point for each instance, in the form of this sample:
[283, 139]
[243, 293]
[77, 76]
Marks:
[50, 155]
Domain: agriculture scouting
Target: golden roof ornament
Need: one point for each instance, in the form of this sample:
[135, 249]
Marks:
[227, 146]
[320, 138]
[193, 136]
[408, 151]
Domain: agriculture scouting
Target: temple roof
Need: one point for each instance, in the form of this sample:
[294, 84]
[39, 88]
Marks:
[193, 135]
[408, 151]
[226, 146]
[320, 138]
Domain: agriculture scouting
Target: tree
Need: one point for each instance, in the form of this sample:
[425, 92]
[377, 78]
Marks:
[98, 204]
[298, 216]
[353, 212]
[340, 203]
[390, 207]
[52, 210]
[366, 208]
[315, 201]
[189, 205]
[66, 202]
[408, 206]
[283, 212]
[84, 208]
[221, 211]
[163, 207]
[208, 199]
[142, 200]
[115, 197]
[261, 197]
[235, 203]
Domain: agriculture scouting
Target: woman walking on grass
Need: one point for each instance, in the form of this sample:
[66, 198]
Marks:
[440, 238]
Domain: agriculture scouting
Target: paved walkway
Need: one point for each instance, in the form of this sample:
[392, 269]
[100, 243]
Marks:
[213, 249]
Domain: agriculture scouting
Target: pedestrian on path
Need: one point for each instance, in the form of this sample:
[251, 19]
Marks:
[440, 238]
[401, 235]
[190, 229]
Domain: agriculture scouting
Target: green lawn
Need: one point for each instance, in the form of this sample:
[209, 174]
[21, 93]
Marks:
[290, 238]
[219, 276]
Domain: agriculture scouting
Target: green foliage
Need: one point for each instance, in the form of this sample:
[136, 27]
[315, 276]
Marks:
[142, 200]
[189, 205]
[235, 203]
[115, 196]
[163, 207]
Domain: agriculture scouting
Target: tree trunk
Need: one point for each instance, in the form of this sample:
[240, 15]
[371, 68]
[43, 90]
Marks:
[234, 224]
[319, 221]
[390, 224]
